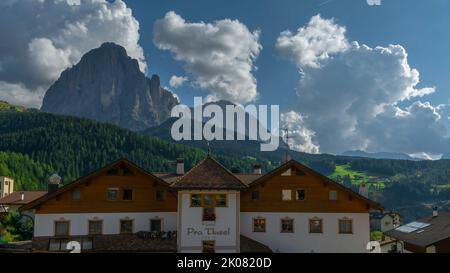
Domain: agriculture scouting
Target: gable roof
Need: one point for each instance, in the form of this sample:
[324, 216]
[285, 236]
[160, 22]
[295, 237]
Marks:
[438, 230]
[297, 165]
[209, 174]
[86, 178]
[15, 197]
[248, 178]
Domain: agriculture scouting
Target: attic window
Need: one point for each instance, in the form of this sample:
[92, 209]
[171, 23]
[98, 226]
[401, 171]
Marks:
[126, 171]
[299, 173]
[288, 172]
[113, 172]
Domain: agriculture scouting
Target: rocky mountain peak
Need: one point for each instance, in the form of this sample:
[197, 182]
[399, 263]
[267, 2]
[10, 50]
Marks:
[107, 85]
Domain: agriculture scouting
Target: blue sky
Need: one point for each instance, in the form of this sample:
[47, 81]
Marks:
[422, 27]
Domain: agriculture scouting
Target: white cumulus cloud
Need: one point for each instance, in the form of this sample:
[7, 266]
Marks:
[219, 55]
[41, 38]
[349, 94]
[299, 137]
[314, 42]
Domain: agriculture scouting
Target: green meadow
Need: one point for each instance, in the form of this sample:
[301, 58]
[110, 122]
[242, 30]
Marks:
[342, 172]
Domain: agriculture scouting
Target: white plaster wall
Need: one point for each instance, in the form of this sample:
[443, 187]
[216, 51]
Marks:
[226, 217]
[44, 223]
[303, 241]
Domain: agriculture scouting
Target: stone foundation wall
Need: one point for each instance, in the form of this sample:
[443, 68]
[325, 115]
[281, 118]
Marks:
[116, 243]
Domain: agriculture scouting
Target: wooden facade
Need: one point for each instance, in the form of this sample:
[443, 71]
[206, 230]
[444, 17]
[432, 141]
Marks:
[93, 194]
[316, 199]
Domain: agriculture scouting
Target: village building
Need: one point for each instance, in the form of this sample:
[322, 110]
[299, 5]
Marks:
[384, 221]
[11, 200]
[430, 234]
[15, 200]
[6, 186]
[122, 207]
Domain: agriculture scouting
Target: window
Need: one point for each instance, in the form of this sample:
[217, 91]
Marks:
[126, 226]
[196, 200]
[127, 195]
[255, 195]
[76, 195]
[95, 227]
[127, 171]
[333, 195]
[62, 228]
[288, 172]
[112, 194]
[62, 244]
[208, 246]
[315, 226]
[58, 244]
[259, 225]
[300, 195]
[209, 214]
[208, 200]
[345, 226]
[160, 195]
[221, 200]
[113, 172]
[155, 224]
[286, 195]
[287, 225]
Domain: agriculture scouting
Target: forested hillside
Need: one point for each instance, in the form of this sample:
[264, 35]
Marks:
[27, 173]
[73, 147]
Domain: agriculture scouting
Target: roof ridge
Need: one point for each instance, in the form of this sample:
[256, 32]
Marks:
[233, 179]
[198, 164]
[230, 172]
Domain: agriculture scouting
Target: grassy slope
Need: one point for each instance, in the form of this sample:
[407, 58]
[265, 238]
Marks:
[357, 177]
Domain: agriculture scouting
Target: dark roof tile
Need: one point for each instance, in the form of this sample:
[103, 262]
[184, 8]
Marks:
[15, 198]
[209, 174]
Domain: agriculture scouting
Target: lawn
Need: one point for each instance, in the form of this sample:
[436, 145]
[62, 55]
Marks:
[356, 177]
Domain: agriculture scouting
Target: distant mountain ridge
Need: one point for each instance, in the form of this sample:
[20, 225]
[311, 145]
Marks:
[380, 155]
[107, 86]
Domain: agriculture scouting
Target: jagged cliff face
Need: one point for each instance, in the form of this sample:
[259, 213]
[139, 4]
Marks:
[107, 85]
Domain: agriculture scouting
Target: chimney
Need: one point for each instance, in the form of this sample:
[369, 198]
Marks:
[257, 169]
[435, 212]
[53, 182]
[22, 196]
[180, 166]
[364, 190]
